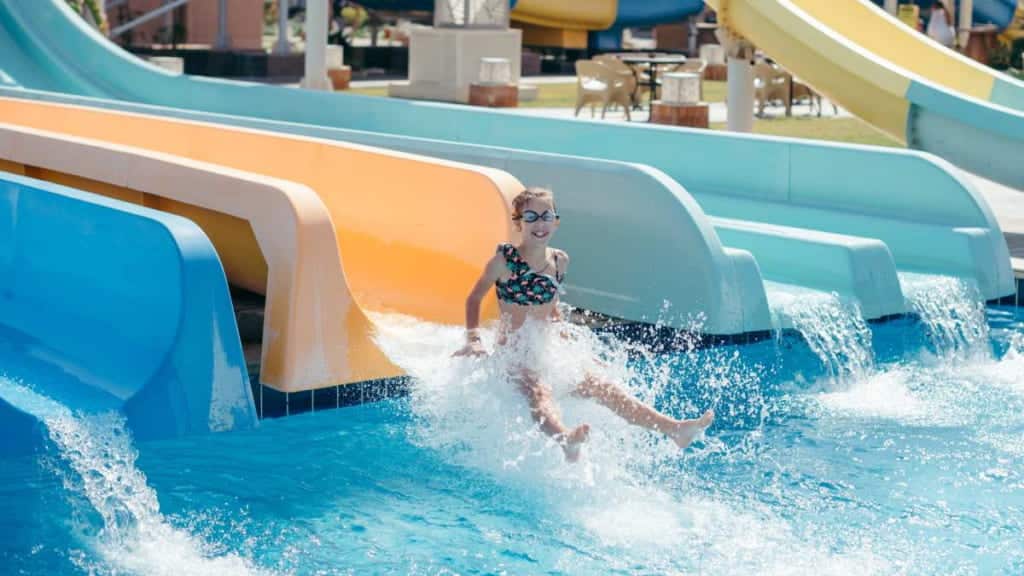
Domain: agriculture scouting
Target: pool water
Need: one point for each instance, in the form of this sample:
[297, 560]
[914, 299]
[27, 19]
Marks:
[910, 464]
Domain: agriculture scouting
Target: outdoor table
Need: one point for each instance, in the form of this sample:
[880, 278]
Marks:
[652, 67]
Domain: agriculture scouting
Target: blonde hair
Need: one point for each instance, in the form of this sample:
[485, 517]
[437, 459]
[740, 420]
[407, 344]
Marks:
[531, 193]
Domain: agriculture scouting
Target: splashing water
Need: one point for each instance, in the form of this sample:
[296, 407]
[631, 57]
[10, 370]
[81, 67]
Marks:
[834, 330]
[95, 460]
[952, 312]
[632, 491]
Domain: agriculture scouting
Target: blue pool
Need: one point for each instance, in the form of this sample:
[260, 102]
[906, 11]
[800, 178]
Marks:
[894, 448]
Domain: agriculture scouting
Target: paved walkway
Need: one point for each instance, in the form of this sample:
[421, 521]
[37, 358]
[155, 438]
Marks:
[1008, 205]
[717, 112]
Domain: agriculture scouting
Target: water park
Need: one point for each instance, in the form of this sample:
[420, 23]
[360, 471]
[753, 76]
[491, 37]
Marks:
[284, 287]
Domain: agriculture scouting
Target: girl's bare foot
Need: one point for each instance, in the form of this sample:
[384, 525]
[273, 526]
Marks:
[573, 442]
[687, 430]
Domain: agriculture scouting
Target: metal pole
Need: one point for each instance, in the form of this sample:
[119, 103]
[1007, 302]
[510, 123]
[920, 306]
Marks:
[466, 12]
[316, 46]
[147, 17]
[740, 114]
[740, 87]
[282, 46]
[223, 40]
[169, 23]
[965, 23]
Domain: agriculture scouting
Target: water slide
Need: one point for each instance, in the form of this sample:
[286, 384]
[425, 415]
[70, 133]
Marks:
[985, 137]
[800, 193]
[878, 32]
[701, 276]
[344, 249]
[589, 15]
[147, 329]
[999, 13]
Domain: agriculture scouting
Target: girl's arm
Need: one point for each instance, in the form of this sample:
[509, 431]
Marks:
[476, 296]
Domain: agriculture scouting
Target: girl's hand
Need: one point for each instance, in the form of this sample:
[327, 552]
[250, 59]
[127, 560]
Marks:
[475, 349]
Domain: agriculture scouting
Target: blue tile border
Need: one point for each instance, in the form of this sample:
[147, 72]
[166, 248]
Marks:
[271, 403]
[1015, 299]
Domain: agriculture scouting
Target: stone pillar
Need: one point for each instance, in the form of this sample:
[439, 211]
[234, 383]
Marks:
[223, 40]
[282, 46]
[740, 90]
[964, 23]
[316, 46]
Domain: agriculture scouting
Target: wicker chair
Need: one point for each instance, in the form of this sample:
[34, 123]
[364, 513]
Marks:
[771, 83]
[598, 83]
[637, 79]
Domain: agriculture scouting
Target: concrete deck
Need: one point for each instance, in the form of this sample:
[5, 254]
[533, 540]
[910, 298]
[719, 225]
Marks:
[1008, 205]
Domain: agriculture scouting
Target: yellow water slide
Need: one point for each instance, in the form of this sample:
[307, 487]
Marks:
[562, 23]
[411, 233]
[892, 77]
[877, 31]
[567, 14]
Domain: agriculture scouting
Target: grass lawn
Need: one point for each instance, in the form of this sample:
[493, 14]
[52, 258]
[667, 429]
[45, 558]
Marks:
[847, 130]
[562, 95]
[850, 130]
[375, 91]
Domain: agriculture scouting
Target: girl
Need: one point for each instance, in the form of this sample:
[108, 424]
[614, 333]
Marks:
[527, 279]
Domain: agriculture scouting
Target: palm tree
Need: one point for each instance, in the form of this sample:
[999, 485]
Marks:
[99, 17]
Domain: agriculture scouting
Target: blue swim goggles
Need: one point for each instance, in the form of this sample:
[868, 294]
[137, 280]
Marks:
[530, 216]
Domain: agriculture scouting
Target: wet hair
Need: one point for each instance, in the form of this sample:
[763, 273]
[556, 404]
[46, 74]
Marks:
[532, 193]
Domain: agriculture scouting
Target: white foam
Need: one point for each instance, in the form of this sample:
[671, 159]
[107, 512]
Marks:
[628, 491]
[973, 391]
[833, 329]
[100, 458]
[952, 311]
[878, 395]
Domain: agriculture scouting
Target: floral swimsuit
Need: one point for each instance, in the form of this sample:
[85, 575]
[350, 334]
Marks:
[526, 287]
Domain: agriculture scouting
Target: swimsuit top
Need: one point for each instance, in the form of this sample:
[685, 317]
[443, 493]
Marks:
[526, 287]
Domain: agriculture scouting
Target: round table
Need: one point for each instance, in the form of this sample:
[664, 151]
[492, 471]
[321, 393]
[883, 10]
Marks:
[652, 67]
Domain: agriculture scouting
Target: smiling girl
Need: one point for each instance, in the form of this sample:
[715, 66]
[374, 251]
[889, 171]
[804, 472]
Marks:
[527, 279]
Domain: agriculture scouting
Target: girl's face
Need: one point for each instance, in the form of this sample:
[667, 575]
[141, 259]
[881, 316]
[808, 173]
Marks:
[544, 225]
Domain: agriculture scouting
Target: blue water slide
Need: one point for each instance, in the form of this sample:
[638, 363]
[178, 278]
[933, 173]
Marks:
[698, 274]
[642, 13]
[399, 5]
[998, 12]
[790, 184]
[630, 12]
[651, 12]
[107, 306]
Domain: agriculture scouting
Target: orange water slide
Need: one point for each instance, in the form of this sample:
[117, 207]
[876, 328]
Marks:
[371, 230]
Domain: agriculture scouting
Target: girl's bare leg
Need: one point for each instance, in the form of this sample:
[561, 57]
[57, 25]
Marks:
[545, 413]
[613, 397]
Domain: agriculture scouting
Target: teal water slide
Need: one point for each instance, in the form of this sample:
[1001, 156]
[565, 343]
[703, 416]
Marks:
[838, 218]
[109, 307]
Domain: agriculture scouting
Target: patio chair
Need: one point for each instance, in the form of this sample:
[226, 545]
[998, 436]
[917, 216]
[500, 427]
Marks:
[596, 82]
[637, 79]
[771, 84]
[802, 91]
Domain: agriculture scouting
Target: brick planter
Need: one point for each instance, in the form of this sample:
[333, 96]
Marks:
[494, 95]
[716, 72]
[691, 115]
[340, 77]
